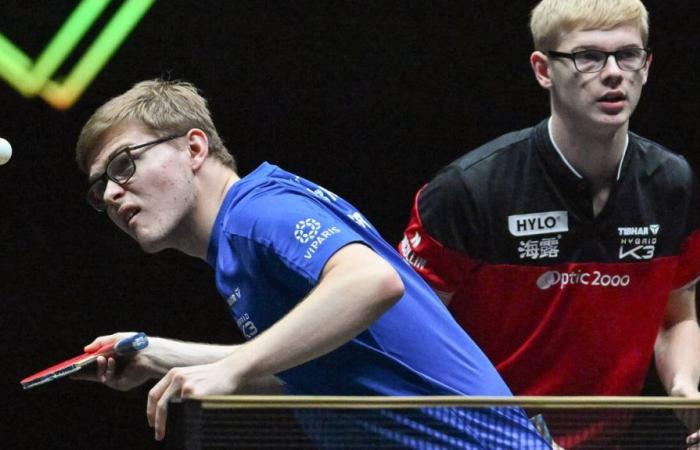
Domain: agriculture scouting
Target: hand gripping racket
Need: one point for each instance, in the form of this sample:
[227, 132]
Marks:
[129, 344]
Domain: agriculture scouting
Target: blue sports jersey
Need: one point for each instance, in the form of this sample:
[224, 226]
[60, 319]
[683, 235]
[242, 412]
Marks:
[273, 235]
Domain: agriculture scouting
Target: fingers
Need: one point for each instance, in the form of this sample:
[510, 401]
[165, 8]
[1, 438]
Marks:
[693, 439]
[104, 373]
[104, 340]
[99, 342]
[171, 386]
[98, 375]
[154, 395]
[157, 406]
[106, 368]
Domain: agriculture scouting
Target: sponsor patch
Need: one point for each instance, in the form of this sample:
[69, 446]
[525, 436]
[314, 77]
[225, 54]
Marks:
[638, 242]
[538, 223]
[554, 278]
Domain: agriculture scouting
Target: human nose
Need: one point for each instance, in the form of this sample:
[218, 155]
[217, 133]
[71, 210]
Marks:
[113, 191]
[611, 67]
[611, 74]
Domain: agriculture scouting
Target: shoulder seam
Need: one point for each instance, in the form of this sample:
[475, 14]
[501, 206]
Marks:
[268, 245]
[495, 152]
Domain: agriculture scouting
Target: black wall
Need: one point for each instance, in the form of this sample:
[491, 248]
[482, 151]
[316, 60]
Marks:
[367, 98]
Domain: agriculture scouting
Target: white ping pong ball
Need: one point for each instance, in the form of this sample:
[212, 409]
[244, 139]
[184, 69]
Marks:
[5, 151]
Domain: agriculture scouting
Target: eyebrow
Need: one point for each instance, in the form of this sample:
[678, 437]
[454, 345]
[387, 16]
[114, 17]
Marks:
[585, 47]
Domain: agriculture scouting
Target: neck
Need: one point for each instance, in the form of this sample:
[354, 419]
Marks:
[595, 155]
[212, 183]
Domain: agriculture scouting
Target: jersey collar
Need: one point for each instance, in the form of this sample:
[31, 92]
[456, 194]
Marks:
[237, 190]
[568, 164]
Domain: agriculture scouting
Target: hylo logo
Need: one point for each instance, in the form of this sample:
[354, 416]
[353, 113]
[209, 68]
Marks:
[538, 223]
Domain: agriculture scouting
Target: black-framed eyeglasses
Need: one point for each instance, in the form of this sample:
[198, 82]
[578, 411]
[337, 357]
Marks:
[120, 167]
[590, 61]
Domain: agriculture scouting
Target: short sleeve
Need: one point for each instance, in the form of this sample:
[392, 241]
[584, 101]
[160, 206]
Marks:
[436, 249]
[298, 231]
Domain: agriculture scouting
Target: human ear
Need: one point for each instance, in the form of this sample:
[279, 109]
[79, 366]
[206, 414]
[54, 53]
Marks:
[197, 147]
[645, 69]
[540, 66]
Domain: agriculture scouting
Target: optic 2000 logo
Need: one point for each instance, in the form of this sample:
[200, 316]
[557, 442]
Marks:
[595, 278]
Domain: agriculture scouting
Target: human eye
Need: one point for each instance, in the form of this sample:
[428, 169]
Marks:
[120, 166]
[589, 56]
[589, 60]
[629, 54]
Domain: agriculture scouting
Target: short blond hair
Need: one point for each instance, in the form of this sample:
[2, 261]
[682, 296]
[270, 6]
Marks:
[163, 107]
[550, 18]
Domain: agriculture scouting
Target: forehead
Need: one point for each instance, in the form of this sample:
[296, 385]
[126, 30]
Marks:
[604, 39]
[113, 141]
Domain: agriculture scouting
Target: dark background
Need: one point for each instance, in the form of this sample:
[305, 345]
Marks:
[367, 98]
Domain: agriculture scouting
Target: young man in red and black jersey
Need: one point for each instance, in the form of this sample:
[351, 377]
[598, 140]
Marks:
[570, 250]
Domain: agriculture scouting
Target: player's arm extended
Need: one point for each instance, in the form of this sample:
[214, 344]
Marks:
[158, 358]
[356, 288]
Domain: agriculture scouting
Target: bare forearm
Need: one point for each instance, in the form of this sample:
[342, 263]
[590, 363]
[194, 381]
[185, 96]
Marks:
[677, 354]
[356, 288]
[164, 354]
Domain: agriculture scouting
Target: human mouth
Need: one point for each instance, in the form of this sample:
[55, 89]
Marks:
[612, 102]
[127, 214]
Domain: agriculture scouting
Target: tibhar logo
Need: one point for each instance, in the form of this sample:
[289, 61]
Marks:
[407, 251]
[639, 231]
[359, 219]
[595, 278]
[247, 326]
[234, 297]
[638, 251]
[305, 230]
[638, 242]
[323, 194]
[538, 223]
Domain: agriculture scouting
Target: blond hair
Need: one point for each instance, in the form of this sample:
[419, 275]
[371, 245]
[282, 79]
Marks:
[164, 107]
[550, 18]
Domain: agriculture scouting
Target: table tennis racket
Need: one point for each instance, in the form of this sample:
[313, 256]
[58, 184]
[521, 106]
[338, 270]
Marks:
[129, 344]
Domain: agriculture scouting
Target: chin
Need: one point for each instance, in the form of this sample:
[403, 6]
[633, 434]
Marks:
[150, 249]
[150, 245]
[611, 120]
[616, 121]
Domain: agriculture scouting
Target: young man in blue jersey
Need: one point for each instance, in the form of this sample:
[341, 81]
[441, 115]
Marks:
[288, 257]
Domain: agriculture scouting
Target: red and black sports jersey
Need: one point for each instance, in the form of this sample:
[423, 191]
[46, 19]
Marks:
[562, 301]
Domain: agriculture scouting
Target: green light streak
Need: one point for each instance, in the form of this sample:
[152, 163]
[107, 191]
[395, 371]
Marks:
[34, 78]
[65, 41]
